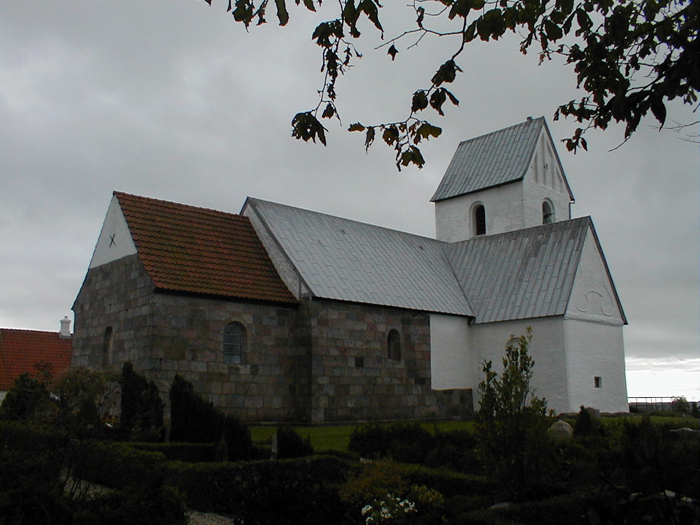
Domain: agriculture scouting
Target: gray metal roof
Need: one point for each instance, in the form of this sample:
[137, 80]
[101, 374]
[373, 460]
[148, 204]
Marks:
[515, 275]
[352, 261]
[520, 274]
[491, 160]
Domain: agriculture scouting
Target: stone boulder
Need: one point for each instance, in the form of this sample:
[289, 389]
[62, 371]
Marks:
[561, 430]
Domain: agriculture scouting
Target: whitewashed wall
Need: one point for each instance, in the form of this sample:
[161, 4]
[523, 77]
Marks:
[514, 206]
[545, 180]
[549, 378]
[504, 212]
[451, 361]
[594, 337]
[596, 349]
[114, 241]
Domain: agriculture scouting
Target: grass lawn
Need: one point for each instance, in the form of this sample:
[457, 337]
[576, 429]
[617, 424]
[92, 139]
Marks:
[337, 437]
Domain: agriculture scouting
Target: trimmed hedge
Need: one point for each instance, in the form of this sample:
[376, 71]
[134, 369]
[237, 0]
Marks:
[224, 487]
[117, 465]
[187, 452]
[569, 508]
[448, 483]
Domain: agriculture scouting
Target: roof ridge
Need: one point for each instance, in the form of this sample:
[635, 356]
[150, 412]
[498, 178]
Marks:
[355, 221]
[191, 207]
[32, 330]
[551, 225]
[529, 120]
[491, 160]
[191, 249]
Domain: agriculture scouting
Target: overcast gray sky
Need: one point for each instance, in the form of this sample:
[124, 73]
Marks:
[173, 100]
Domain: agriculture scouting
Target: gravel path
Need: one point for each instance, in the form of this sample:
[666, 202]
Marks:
[201, 518]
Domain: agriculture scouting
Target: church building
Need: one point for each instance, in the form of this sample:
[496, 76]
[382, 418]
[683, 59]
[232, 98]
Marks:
[285, 314]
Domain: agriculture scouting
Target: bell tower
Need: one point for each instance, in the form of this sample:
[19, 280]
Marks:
[503, 181]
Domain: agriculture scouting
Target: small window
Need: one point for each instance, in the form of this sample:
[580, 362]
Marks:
[394, 345]
[480, 220]
[234, 343]
[359, 362]
[598, 382]
[547, 213]
[107, 346]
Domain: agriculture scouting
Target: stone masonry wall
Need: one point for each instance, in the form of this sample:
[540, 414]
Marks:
[164, 335]
[116, 295]
[352, 376]
[325, 361]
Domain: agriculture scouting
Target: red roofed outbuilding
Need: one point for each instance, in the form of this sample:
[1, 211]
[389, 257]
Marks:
[28, 351]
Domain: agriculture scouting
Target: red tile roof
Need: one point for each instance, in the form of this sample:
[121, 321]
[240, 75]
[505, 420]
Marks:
[22, 350]
[197, 250]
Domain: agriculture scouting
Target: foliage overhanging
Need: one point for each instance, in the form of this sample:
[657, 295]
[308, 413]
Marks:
[630, 57]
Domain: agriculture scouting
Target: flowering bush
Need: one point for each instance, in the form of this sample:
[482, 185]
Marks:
[390, 509]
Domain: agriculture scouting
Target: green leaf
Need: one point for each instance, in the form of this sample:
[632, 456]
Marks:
[447, 73]
[306, 126]
[554, 31]
[282, 13]
[419, 20]
[356, 127]
[369, 137]
[369, 7]
[411, 156]
[393, 52]
[427, 130]
[452, 98]
[309, 5]
[420, 101]
[658, 109]
[437, 99]
[390, 135]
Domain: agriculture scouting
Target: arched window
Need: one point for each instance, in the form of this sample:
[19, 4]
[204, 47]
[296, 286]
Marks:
[479, 220]
[234, 343]
[394, 345]
[547, 213]
[107, 346]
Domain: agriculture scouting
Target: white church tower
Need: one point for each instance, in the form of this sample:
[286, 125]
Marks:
[504, 181]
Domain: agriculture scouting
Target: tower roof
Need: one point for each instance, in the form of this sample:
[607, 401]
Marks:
[491, 160]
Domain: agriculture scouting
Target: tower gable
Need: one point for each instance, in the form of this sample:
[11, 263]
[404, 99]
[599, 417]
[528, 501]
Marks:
[115, 240]
[509, 179]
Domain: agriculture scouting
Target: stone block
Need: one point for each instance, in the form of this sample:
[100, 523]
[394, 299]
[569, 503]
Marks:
[198, 366]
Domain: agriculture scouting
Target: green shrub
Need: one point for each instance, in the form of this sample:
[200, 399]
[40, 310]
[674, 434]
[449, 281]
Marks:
[31, 485]
[409, 442]
[187, 452]
[291, 445]
[370, 441]
[405, 442]
[285, 491]
[117, 465]
[156, 505]
[141, 407]
[554, 511]
[653, 461]
[194, 420]
[448, 483]
[378, 478]
[455, 450]
[512, 427]
[28, 399]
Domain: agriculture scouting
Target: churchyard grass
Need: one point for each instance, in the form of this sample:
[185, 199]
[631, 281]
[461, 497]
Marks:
[337, 437]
